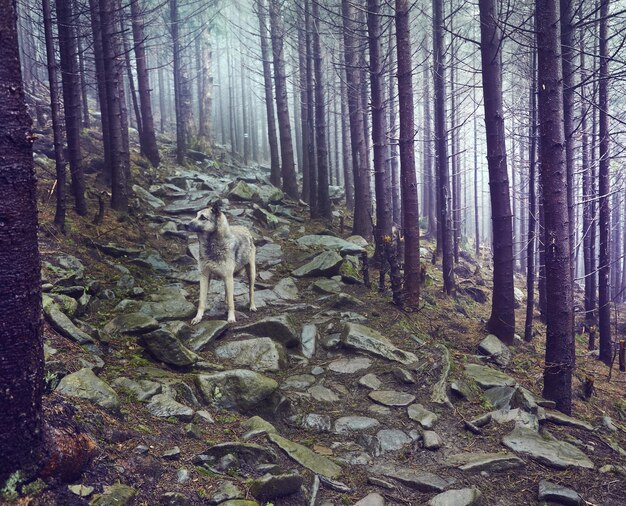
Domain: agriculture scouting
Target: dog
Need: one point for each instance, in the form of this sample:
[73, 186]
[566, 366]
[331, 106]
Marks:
[224, 251]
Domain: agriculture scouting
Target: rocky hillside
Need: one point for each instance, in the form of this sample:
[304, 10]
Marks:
[328, 395]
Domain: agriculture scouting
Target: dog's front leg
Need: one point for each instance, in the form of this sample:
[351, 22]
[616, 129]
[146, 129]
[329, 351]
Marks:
[205, 279]
[251, 268]
[230, 296]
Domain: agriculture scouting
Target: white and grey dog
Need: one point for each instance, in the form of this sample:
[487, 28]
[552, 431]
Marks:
[224, 251]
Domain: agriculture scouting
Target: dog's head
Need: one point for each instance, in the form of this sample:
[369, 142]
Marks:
[208, 220]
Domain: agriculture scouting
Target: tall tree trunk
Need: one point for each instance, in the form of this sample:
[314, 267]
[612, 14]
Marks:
[132, 91]
[288, 169]
[21, 361]
[362, 191]
[181, 141]
[310, 86]
[560, 351]
[443, 183]
[348, 175]
[476, 215]
[68, 50]
[502, 319]
[410, 204]
[205, 79]
[245, 116]
[82, 75]
[149, 144]
[604, 265]
[393, 145]
[382, 180]
[57, 132]
[118, 123]
[323, 197]
[304, 99]
[429, 186]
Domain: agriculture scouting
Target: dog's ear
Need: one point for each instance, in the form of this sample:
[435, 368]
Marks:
[216, 208]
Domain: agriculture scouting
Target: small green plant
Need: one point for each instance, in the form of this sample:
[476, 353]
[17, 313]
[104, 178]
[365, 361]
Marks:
[9, 491]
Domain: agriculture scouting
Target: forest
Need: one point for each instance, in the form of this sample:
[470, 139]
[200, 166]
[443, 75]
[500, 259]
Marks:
[312, 252]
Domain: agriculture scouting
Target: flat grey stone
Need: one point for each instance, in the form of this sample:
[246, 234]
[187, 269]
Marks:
[421, 415]
[500, 397]
[308, 340]
[176, 309]
[403, 376]
[282, 329]
[167, 348]
[258, 354]
[205, 333]
[460, 497]
[496, 350]
[362, 338]
[298, 382]
[350, 365]
[307, 458]
[132, 323]
[226, 490]
[370, 381]
[488, 377]
[143, 390]
[270, 486]
[330, 242]
[391, 440]
[490, 462]
[64, 326]
[373, 499]
[417, 480]
[316, 423]
[556, 454]
[322, 394]
[326, 264]
[84, 384]
[552, 492]
[239, 389]
[347, 424]
[431, 440]
[286, 289]
[391, 397]
[559, 418]
[327, 286]
[148, 197]
[164, 406]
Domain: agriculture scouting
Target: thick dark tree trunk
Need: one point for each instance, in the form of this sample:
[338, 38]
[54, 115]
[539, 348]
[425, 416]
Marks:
[304, 100]
[323, 198]
[205, 84]
[392, 166]
[560, 350]
[118, 123]
[310, 87]
[149, 144]
[21, 359]
[382, 180]
[410, 204]
[288, 168]
[604, 265]
[476, 207]
[362, 192]
[57, 128]
[502, 319]
[181, 141]
[429, 179]
[68, 51]
[132, 91]
[443, 183]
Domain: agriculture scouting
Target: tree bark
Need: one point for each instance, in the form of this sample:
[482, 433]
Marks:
[181, 141]
[205, 105]
[560, 352]
[149, 144]
[288, 169]
[502, 319]
[304, 100]
[21, 360]
[348, 175]
[429, 186]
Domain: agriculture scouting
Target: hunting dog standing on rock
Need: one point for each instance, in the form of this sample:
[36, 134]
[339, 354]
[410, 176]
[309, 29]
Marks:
[224, 251]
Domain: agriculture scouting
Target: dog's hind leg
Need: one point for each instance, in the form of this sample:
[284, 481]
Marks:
[251, 270]
[230, 296]
[205, 280]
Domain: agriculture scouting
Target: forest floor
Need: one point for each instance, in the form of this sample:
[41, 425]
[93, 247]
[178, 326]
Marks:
[348, 381]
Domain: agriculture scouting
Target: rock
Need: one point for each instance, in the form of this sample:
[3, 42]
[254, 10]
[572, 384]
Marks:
[350, 270]
[205, 333]
[326, 264]
[68, 305]
[370, 381]
[552, 492]
[147, 197]
[271, 486]
[518, 416]
[269, 194]
[431, 440]
[417, 480]
[282, 329]
[131, 323]
[553, 453]
[177, 309]
[391, 440]
[559, 418]
[252, 455]
[258, 425]
[316, 423]
[421, 415]
[490, 462]
[164, 346]
[330, 242]
[259, 354]
[308, 340]
[298, 382]
[362, 338]
[500, 397]
[286, 289]
[226, 491]
[142, 390]
[307, 458]
[519, 297]
[239, 502]
[81, 490]
[242, 191]
[488, 377]
[174, 499]
[322, 394]
[268, 255]
[461, 389]
[496, 350]
[350, 365]
[347, 424]
[474, 293]
[344, 301]
[460, 497]
[238, 389]
[191, 206]
[609, 424]
[326, 286]
[391, 397]
[372, 499]
[64, 326]
[152, 260]
[63, 270]
[172, 453]
[164, 406]
[113, 495]
[267, 219]
[403, 376]
[116, 251]
[86, 385]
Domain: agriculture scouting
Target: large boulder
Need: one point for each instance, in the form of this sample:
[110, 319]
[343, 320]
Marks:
[487, 377]
[239, 389]
[496, 350]
[86, 385]
[64, 326]
[282, 329]
[326, 264]
[362, 338]
[330, 242]
[259, 354]
[131, 323]
[167, 348]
